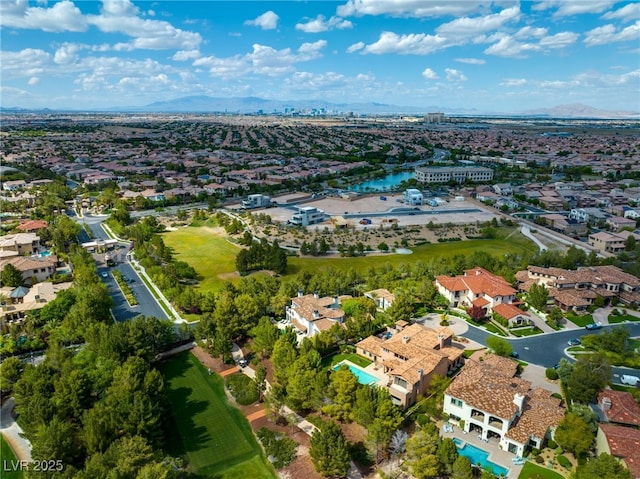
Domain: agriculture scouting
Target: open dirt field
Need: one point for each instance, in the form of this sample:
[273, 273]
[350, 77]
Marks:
[384, 212]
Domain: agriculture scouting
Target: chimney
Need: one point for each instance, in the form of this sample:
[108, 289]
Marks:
[518, 400]
[316, 314]
[315, 294]
[420, 373]
[300, 293]
[441, 338]
[605, 404]
[405, 339]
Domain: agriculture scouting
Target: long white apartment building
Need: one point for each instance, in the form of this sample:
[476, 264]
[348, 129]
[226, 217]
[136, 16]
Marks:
[460, 174]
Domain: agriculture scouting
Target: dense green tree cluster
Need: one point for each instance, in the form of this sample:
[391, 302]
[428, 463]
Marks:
[574, 434]
[429, 455]
[329, 451]
[262, 255]
[100, 409]
[605, 466]
[615, 345]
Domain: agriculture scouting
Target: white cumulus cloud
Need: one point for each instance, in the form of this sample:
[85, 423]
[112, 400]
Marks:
[61, 17]
[406, 44]
[629, 12]
[184, 55]
[321, 24]
[610, 34]
[411, 8]
[355, 47]
[263, 60]
[471, 61]
[454, 75]
[467, 26]
[429, 74]
[266, 21]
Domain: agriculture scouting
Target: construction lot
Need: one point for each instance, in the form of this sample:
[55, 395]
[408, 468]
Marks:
[381, 212]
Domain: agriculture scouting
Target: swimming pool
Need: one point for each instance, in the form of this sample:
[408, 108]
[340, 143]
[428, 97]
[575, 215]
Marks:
[479, 456]
[362, 376]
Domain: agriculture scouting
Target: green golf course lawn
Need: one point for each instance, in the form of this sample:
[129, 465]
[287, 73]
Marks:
[213, 436]
[213, 257]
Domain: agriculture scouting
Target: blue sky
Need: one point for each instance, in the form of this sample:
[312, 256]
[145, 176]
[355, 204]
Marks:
[494, 56]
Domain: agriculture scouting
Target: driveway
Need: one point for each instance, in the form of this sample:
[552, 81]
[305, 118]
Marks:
[12, 431]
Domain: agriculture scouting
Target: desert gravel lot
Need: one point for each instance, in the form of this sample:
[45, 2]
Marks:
[373, 204]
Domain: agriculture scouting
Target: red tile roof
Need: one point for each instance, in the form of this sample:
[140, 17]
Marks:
[624, 443]
[623, 407]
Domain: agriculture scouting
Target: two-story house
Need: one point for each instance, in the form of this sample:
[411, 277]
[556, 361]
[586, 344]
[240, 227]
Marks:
[382, 297]
[310, 314]
[19, 244]
[618, 433]
[486, 399]
[574, 290]
[476, 287]
[410, 358]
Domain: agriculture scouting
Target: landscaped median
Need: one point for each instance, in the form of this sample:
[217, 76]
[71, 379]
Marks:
[124, 287]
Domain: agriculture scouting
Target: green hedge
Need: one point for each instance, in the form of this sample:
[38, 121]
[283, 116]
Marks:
[242, 388]
[564, 462]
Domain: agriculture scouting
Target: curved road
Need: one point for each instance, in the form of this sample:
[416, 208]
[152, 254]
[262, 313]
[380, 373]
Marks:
[548, 348]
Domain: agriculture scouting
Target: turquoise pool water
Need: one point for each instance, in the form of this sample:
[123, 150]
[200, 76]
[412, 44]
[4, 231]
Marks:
[363, 376]
[389, 182]
[44, 254]
[477, 455]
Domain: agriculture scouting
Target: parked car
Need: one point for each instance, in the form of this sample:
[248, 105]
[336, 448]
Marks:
[574, 342]
[630, 380]
[592, 326]
[104, 274]
[515, 354]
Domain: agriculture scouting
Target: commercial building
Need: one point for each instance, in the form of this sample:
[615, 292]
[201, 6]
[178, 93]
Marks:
[307, 215]
[459, 174]
[256, 201]
[412, 197]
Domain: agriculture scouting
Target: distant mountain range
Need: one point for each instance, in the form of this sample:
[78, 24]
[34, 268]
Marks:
[578, 110]
[252, 105]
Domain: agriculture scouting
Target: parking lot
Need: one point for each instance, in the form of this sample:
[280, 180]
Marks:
[382, 211]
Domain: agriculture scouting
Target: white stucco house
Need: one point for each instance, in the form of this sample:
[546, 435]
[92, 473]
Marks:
[486, 399]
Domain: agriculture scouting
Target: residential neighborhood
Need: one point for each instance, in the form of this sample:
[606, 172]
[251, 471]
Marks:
[398, 287]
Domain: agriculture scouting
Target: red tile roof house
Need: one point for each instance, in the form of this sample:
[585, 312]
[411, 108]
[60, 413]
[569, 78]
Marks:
[495, 405]
[576, 289]
[32, 226]
[618, 407]
[621, 442]
[311, 314]
[479, 287]
[410, 358]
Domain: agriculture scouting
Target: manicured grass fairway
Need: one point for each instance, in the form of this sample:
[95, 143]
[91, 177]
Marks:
[533, 471]
[213, 436]
[213, 257]
[426, 253]
[8, 459]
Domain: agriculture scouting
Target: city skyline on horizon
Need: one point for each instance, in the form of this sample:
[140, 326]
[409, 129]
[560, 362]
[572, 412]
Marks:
[492, 56]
